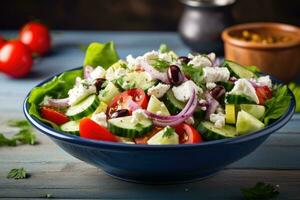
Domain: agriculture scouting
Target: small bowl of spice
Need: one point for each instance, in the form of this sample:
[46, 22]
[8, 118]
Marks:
[273, 47]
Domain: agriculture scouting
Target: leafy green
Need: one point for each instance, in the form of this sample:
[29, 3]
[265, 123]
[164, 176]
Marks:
[163, 48]
[98, 54]
[194, 73]
[58, 87]
[7, 142]
[125, 84]
[168, 132]
[160, 64]
[25, 136]
[19, 123]
[277, 105]
[296, 91]
[260, 191]
[252, 68]
[18, 173]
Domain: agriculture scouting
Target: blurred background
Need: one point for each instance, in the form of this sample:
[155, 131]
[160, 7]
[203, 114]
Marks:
[153, 15]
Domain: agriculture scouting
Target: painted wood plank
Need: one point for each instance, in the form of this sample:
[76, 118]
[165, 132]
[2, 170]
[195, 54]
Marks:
[82, 181]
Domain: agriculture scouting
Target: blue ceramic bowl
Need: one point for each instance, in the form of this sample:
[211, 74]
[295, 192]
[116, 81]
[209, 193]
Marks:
[160, 164]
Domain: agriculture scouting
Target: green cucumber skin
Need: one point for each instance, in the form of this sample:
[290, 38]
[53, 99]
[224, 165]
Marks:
[227, 85]
[74, 132]
[227, 64]
[174, 106]
[209, 135]
[128, 133]
[237, 99]
[87, 111]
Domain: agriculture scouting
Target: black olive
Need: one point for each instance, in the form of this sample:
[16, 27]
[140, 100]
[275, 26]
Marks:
[218, 92]
[98, 83]
[184, 60]
[120, 113]
[174, 75]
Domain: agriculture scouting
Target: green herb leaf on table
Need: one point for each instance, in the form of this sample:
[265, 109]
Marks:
[25, 136]
[98, 54]
[19, 123]
[7, 142]
[296, 91]
[260, 191]
[18, 173]
[277, 105]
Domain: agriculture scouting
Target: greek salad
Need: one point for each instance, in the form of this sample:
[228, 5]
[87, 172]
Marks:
[158, 98]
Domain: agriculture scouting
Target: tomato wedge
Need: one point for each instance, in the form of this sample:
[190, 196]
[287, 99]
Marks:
[187, 134]
[143, 139]
[91, 130]
[122, 100]
[53, 115]
[2, 41]
[263, 93]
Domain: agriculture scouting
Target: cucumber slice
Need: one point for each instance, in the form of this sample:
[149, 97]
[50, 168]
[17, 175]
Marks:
[160, 138]
[136, 79]
[238, 70]
[101, 108]
[257, 111]
[238, 99]
[247, 123]
[210, 132]
[156, 106]
[174, 106]
[123, 127]
[83, 108]
[71, 127]
[108, 93]
[230, 111]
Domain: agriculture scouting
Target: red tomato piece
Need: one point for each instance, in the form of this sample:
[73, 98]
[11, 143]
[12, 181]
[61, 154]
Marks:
[263, 93]
[122, 100]
[91, 130]
[2, 41]
[187, 134]
[15, 59]
[53, 115]
[37, 37]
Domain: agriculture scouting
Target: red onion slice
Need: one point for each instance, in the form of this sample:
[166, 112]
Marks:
[87, 70]
[133, 105]
[58, 103]
[212, 105]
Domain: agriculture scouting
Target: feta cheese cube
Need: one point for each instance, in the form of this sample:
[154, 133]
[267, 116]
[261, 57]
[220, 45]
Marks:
[183, 92]
[98, 72]
[215, 74]
[244, 87]
[200, 61]
[100, 118]
[264, 81]
[218, 119]
[138, 115]
[158, 90]
[81, 89]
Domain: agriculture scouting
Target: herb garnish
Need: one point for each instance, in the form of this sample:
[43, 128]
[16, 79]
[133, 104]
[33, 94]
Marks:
[168, 132]
[194, 73]
[163, 48]
[160, 64]
[17, 173]
[260, 191]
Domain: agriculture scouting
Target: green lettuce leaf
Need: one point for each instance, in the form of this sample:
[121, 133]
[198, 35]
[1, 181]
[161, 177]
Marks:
[98, 54]
[58, 87]
[277, 105]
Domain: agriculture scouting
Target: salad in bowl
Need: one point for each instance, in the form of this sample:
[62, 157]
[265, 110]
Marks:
[158, 98]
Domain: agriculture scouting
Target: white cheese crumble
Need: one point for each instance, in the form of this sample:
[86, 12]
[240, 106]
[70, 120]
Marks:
[81, 89]
[264, 81]
[183, 92]
[200, 61]
[100, 118]
[218, 119]
[98, 72]
[210, 85]
[131, 62]
[112, 74]
[166, 57]
[138, 115]
[158, 90]
[215, 74]
[244, 87]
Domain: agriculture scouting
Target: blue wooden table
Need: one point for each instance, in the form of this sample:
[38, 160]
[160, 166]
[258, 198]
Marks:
[56, 173]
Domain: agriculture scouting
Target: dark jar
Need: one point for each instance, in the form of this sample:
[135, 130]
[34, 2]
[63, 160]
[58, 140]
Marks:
[202, 23]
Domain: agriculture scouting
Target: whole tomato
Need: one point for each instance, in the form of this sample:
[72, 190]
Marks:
[37, 37]
[2, 41]
[15, 59]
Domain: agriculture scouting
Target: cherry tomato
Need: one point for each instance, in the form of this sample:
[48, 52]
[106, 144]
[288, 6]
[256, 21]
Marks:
[91, 130]
[2, 41]
[53, 115]
[143, 139]
[122, 100]
[263, 93]
[37, 37]
[187, 134]
[15, 59]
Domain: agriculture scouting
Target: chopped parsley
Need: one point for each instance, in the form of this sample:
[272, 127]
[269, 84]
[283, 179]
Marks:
[160, 64]
[17, 173]
[260, 191]
[168, 132]
[196, 74]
